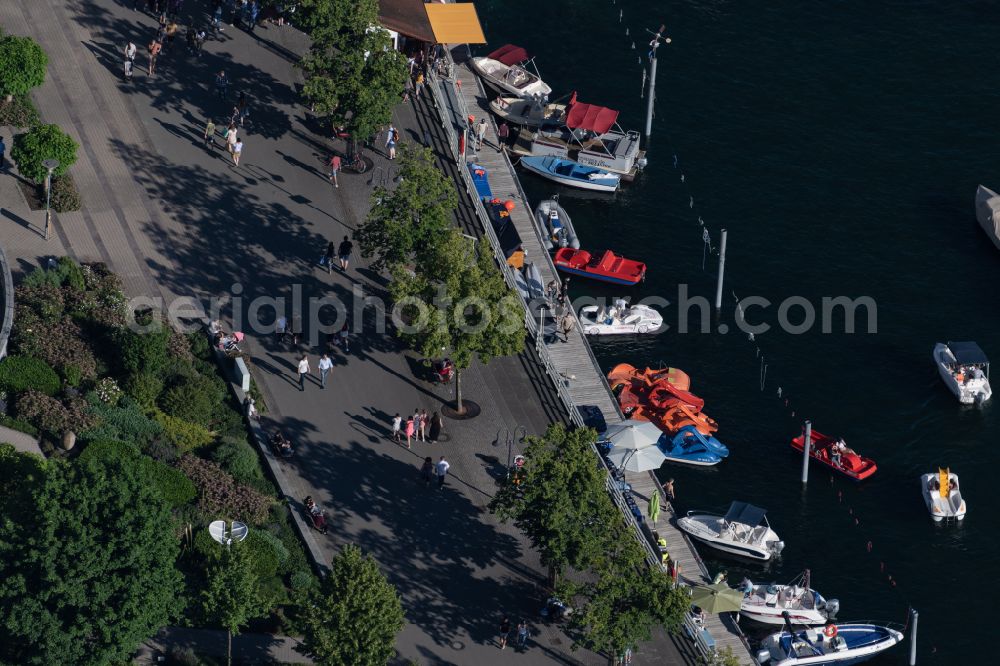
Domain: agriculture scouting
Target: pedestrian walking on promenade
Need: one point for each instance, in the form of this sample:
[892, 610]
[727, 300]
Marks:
[344, 337]
[416, 425]
[390, 142]
[522, 634]
[130, 50]
[281, 328]
[328, 256]
[344, 253]
[221, 84]
[252, 12]
[397, 427]
[409, 431]
[566, 325]
[199, 42]
[334, 165]
[210, 135]
[564, 292]
[217, 18]
[441, 470]
[436, 427]
[243, 109]
[481, 133]
[504, 628]
[189, 41]
[423, 425]
[3, 153]
[171, 31]
[237, 151]
[231, 138]
[303, 371]
[418, 85]
[427, 471]
[296, 328]
[324, 365]
[503, 134]
[154, 50]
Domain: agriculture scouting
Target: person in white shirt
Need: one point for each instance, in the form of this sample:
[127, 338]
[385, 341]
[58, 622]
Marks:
[237, 151]
[441, 470]
[397, 427]
[303, 371]
[325, 365]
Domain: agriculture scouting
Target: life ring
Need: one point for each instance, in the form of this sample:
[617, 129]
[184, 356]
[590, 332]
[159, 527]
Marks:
[830, 630]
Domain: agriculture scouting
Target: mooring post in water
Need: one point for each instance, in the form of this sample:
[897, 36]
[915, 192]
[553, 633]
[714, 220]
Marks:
[653, 45]
[913, 636]
[722, 271]
[806, 446]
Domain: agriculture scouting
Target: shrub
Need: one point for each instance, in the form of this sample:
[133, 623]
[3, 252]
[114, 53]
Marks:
[124, 422]
[144, 388]
[144, 352]
[53, 416]
[40, 143]
[108, 392]
[18, 112]
[239, 459]
[220, 495]
[198, 344]
[22, 65]
[195, 398]
[186, 436]
[20, 373]
[103, 301]
[302, 580]
[175, 488]
[266, 552]
[39, 277]
[72, 375]
[162, 450]
[42, 294]
[65, 197]
[183, 656]
[60, 344]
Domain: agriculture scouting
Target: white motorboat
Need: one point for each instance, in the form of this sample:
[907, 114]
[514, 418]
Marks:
[621, 318]
[988, 213]
[965, 370]
[571, 174]
[768, 602]
[529, 111]
[506, 71]
[743, 531]
[942, 495]
[555, 229]
[833, 644]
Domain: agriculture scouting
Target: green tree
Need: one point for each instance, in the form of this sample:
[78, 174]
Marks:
[43, 142]
[88, 573]
[22, 66]
[232, 597]
[404, 224]
[561, 502]
[457, 301]
[353, 75]
[353, 617]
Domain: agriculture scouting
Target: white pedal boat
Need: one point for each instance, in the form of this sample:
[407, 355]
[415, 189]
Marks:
[620, 319]
[942, 495]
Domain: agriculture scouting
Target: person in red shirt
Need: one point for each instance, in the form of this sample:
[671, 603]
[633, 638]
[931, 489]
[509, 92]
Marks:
[334, 165]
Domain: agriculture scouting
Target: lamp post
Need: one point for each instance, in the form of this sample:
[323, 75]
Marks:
[51, 165]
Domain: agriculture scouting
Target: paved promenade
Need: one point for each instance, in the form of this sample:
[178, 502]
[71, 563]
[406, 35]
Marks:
[177, 219]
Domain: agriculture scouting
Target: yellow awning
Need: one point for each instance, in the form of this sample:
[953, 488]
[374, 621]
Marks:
[455, 23]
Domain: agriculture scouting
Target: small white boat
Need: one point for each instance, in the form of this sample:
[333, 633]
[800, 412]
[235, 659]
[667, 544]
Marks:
[743, 531]
[942, 495]
[965, 370]
[833, 644]
[572, 174]
[620, 319]
[529, 111]
[506, 71]
[768, 602]
[988, 213]
[555, 229]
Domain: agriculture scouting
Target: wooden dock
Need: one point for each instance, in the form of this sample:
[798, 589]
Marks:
[572, 364]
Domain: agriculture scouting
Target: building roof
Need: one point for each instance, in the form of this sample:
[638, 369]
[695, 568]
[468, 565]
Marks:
[456, 23]
[407, 17]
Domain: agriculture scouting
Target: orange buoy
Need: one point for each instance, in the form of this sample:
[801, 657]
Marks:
[509, 205]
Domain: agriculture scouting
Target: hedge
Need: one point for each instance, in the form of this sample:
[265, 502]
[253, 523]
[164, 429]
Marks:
[239, 459]
[220, 496]
[20, 373]
[185, 435]
[175, 488]
[124, 422]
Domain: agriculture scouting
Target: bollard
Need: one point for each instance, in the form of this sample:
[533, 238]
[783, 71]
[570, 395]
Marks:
[913, 636]
[806, 445]
[722, 271]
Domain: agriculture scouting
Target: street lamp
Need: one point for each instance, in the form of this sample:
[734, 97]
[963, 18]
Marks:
[51, 165]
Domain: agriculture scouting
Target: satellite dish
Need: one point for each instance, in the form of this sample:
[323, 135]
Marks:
[237, 531]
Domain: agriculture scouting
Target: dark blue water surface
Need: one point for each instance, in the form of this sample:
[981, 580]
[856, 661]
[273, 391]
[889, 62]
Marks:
[840, 143]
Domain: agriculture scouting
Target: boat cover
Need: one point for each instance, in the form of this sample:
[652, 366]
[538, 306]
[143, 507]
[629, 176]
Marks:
[509, 55]
[748, 514]
[968, 353]
[480, 178]
[591, 117]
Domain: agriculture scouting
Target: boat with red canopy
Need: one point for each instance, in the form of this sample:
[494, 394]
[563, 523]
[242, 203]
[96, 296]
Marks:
[835, 454]
[506, 71]
[607, 267]
[591, 137]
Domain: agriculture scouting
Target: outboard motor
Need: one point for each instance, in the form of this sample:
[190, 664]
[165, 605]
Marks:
[776, 547]
[763, 656]
[831, 608]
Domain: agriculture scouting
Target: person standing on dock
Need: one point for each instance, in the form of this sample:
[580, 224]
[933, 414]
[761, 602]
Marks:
[668, 488]
[503, 135]
[480, 133]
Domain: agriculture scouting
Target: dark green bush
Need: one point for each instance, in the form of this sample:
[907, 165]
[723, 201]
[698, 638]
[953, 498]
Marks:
[195, 398]
[20, 373]
[72, 375]
[302, 580]
[53, 416]
[65, 197]
[39, 277]
[175, 488]
[144, 388]
[144, 352]
[41, 143]
[19, 112]
[23, 64]
[266, 553]
[184, 435]
[126, 422]
[239, 459]
[162, 450]
[199, 346]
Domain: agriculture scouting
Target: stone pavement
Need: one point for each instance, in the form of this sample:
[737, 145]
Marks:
[175, 218]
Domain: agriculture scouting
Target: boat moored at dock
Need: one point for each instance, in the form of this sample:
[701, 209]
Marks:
[506, 71]
[766, 603]
[988, 213]
[571, 174]
[743, 530]
[840, 644]
[529, 111]
[555, 229]
[606, 267]
[620, 319]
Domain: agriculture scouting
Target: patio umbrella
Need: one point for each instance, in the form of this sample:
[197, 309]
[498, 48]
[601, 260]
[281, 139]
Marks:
[716, 598]
[632, 435]
[637, 460]
[654, 507]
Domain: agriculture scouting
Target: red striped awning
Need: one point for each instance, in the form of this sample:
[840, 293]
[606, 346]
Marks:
[591, 117]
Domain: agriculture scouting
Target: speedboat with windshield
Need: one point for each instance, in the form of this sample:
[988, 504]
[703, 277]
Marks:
[965, 370]
[743, 530]
[767, 602]
[840, 644]
[509, 70]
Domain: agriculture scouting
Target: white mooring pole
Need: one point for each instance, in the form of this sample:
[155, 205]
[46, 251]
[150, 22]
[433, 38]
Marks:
[913, 636]
[722, 271]
[806, 446]
[653, 45]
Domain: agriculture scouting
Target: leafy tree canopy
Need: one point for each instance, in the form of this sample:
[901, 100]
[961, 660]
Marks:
[354, 616]
[232, 596]
[43, 142]
[88, 573]
[22, 65]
